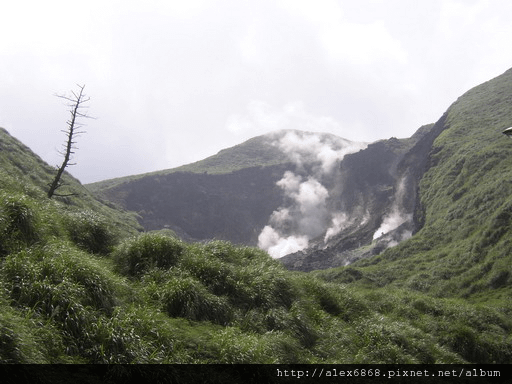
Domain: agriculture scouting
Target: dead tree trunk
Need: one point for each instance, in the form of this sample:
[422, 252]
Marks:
[76, 102]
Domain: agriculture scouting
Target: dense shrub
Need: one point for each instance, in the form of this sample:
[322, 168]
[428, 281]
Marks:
[236, 255]
[302, 324]
[90, 231]
[62, 286]
[57, 268]
[18, 223]
[216, 302]
[248, 276]
[264, 286]
[138, 255]
[333, 298]
[180, 295]
[218, 276]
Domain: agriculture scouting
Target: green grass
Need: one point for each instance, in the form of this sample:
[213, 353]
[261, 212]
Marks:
[216, 302]
[79, 284]
[136, 256]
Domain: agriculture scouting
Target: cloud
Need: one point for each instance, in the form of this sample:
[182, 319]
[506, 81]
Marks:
[179, 71]
[355, 43]
[260, 117]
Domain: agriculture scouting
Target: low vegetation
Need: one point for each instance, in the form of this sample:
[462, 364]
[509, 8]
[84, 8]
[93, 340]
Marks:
[151, 298]
[79, 283]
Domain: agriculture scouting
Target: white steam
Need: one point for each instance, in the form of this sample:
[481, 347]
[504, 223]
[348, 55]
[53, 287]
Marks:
[396, 217]
[310, 211]
[339, 222]
[278, 246]
[307, 215]
[392, 221]
[325, 151]
[290, 228]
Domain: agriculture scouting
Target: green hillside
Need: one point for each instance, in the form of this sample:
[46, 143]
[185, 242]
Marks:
[463, 248]
[80, 285]
[254, 152]
[23, 172]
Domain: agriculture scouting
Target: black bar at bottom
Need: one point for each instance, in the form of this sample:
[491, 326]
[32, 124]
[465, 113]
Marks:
[249, 374]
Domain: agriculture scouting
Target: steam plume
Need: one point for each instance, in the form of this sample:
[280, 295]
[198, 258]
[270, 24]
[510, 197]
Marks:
[397, 215]
[339, 222]
[307, 215]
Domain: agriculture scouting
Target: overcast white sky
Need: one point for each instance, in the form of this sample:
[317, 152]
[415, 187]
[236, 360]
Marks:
[172, 82]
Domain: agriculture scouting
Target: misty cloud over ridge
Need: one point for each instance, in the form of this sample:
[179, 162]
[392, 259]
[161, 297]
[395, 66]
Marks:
[306, 213]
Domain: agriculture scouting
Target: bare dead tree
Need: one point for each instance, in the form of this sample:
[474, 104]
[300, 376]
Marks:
[76, 106]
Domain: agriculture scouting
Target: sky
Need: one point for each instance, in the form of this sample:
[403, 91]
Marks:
[173, 82]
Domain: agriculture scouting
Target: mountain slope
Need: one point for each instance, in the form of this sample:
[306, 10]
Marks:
[323, 212]
[465, 207]
[231, 195]
[376, 199]
[24, 171]
[256, 152]
[283, 191]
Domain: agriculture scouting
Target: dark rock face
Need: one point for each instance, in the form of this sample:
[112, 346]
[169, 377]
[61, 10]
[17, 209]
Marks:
[379, 189]
[233, 206]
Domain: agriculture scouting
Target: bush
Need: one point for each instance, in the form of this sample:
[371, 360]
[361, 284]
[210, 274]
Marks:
[90, 232]
[247, 276]
[333, 298]
[236, 255]
[18, 223]
[180, 295]
[138, 255]
[61, 286]
[19, 342]
[218, 276]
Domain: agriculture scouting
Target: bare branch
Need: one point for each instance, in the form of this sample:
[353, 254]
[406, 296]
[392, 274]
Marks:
[76, 103]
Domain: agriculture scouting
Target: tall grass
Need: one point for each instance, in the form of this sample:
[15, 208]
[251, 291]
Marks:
[90, 231]
[154, 298]
[18, 223]
[138, 255]
[62, 287]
